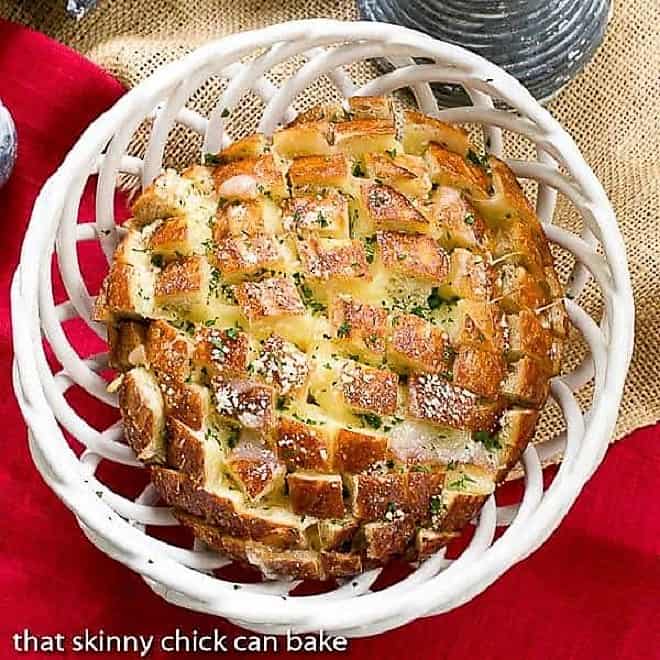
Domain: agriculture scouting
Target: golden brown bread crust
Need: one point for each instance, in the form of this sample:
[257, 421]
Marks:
[333, 343]
[317, 495]
[357, 451]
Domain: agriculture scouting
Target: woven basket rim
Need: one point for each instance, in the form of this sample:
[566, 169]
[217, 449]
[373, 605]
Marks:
[369, 613]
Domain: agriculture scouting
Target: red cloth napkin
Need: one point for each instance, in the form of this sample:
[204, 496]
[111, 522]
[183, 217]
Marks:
[590, 592]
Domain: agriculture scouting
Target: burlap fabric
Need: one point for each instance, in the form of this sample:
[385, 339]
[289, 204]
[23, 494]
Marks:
[612, 110]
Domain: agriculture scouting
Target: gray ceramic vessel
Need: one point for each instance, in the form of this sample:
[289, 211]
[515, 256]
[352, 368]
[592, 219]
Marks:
[543, 43]
[8, 144]
[78, 8]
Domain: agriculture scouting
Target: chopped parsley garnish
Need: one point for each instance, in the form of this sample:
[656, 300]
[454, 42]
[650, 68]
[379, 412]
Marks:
[372, 420]
[448, 352]
[228, 292]
[370, 248]
[379, 196]
[212, 159]
[373, 340]
[391, 153]
[435, 504]
[214, 282]
[157, 260]
[480, 160]
[434, 300]
[232, 333]
[262, 190]
[211, 435]
[461, 482]
[469, 219]
[357, 170]
[489, 441]
[216, 341]
[420, 468]
[225, 112]
[312, 399]
[321, 219]
[344, 330]
[232, 438]
[308, 297]
[307, 420]
[183, 325]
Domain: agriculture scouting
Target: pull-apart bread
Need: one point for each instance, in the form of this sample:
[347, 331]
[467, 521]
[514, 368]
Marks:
[335, 342]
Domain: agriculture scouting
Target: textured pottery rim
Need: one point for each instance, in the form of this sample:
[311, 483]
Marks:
[529, 53]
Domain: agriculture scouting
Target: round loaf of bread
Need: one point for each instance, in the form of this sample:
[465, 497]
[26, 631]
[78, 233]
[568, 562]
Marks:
[335, 342]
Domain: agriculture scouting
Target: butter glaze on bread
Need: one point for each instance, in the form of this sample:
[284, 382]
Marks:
[333, 343]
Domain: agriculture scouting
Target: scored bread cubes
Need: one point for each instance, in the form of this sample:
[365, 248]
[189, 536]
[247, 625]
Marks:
[334, 341]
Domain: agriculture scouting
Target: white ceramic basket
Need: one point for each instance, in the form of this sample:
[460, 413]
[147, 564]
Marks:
[118, 525]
